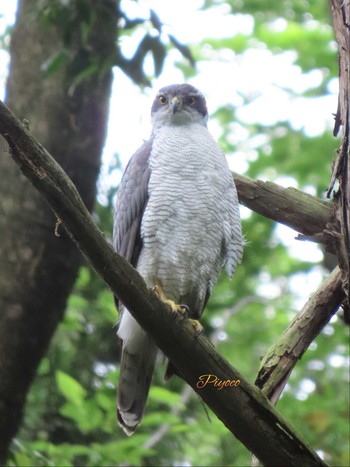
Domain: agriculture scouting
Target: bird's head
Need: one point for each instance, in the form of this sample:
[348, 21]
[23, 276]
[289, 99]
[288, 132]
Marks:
[179, 104]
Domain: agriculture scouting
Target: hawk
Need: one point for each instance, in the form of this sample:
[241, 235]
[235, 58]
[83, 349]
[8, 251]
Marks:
[177, 222]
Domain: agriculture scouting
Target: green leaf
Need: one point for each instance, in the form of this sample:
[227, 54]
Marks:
[160, 394]
[70, 388]
[87, 416]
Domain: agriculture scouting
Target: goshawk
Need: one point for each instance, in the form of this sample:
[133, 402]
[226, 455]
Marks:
[177, 222]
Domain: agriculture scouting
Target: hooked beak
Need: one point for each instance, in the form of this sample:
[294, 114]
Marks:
[175, 104]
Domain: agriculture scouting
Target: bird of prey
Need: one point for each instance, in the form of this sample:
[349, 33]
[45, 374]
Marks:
[177, 222]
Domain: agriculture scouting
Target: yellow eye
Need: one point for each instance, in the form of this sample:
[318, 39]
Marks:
[191, 100]
[162, 100]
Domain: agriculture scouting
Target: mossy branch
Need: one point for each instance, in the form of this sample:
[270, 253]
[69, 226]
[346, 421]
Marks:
[283, 355]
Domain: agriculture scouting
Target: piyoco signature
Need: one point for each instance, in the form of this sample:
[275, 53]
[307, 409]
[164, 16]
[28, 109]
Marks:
[205, 380]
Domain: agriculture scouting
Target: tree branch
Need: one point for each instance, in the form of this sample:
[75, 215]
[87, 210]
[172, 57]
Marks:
[300, 211]
[243, 409]
[281, 358]
[341, 169]
[279, 361]
[187, 392]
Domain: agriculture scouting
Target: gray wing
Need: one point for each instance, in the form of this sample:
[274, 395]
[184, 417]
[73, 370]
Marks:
[130, 204]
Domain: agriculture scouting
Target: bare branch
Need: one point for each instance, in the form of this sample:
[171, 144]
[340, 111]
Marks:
[300, 211]
[341, 169]
[281, 358]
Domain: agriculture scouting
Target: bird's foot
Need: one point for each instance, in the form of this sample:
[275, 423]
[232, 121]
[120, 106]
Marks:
[197, 326]
[179, 308]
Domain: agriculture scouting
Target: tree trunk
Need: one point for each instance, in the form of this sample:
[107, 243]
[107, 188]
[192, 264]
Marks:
[38, 262]
[341, 168]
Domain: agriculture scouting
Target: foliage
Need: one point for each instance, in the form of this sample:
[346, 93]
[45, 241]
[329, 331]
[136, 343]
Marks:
[70, 417]
[77, 22]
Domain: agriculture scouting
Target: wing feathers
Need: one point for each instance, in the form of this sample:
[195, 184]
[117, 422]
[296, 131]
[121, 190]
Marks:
[130, 204]
[138, 358]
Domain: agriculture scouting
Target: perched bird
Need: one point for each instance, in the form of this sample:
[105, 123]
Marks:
[177, 222]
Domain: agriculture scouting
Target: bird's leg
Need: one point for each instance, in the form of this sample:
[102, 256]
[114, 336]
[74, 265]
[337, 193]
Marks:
[182, 309]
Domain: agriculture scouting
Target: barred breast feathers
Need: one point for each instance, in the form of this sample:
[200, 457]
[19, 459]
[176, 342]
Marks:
[191, 191]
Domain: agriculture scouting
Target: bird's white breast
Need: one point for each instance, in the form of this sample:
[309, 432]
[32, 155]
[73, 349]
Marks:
[191, 225]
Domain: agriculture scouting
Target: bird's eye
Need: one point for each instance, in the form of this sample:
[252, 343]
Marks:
[191, 100]
[162, 100]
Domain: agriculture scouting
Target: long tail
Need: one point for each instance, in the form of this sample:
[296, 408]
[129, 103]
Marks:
[136, 370]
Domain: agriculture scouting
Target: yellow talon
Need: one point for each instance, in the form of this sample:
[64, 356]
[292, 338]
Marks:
[182, 309]
[197, 326]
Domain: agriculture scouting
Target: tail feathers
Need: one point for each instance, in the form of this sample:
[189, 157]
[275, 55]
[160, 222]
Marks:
[134, 382]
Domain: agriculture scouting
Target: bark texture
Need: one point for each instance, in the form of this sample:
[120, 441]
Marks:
[38, 267]
[341, 170]
[308, 215]
[280, 359]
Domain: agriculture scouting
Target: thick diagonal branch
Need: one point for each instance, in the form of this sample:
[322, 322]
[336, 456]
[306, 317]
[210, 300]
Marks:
[243, 409]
